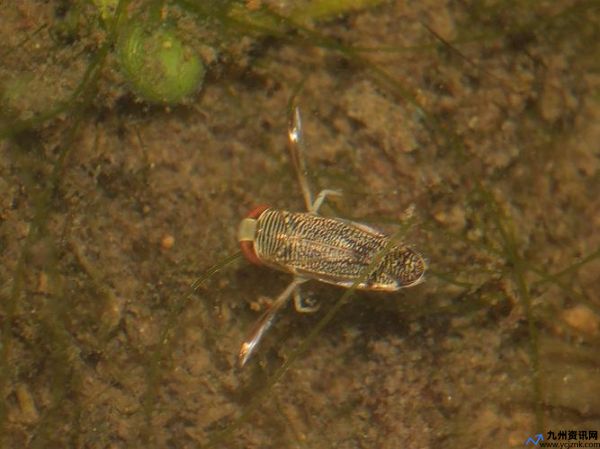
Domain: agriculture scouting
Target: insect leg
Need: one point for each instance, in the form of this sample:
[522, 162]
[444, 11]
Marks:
[264, 322]
[297, 150]
[314, 207]
[302, 306]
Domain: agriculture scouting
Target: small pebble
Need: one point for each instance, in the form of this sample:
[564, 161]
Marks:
[167, 241]
[583, 319]
[26, 402]
[42, 286]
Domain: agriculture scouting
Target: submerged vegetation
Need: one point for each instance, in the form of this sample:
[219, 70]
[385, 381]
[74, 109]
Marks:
[136, 133]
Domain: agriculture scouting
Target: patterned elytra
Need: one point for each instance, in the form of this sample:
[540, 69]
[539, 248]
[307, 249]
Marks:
[332, 250]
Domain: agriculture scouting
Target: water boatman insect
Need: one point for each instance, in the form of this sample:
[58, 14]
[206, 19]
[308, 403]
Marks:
[310, 246]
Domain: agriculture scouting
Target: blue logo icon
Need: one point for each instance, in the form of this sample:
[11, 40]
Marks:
[539, 437]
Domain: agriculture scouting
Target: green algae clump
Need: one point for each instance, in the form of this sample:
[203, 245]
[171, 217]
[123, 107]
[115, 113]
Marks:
[159, 67]
[106, 8]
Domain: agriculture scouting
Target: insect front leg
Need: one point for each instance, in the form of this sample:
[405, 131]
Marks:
[303, 306]
[261, 326]
[314, 208]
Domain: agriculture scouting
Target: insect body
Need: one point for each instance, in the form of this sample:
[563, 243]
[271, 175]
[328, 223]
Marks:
[309, 246]
[330, 250]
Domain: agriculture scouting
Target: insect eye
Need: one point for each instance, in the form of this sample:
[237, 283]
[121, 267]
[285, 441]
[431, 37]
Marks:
[257, 211]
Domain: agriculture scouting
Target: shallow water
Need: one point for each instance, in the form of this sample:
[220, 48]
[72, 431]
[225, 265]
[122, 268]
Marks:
[486, 120]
